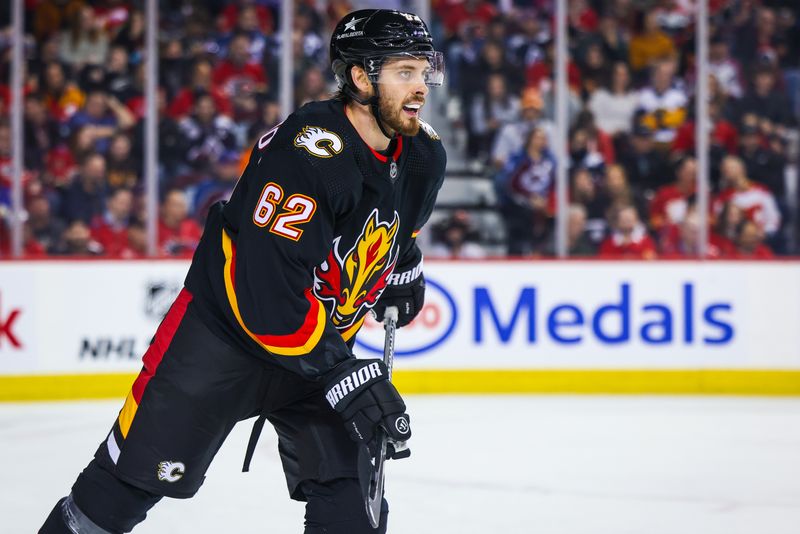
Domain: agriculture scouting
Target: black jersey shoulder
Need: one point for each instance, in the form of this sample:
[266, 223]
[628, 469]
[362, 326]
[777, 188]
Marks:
[319, 138]
[427, 158]
[429, 148]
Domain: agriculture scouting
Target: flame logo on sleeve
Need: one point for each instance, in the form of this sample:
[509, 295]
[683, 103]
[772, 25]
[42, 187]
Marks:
[354, 282]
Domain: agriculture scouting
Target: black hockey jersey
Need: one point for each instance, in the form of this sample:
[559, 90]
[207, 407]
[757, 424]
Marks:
[316, 227]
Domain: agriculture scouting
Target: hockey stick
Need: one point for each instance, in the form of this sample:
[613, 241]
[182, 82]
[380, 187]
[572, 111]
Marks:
[375, 492]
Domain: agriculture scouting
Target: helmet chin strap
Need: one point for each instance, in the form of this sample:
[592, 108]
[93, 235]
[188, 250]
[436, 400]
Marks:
[371, 101]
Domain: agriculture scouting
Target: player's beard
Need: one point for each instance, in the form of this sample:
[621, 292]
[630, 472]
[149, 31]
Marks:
[393, 115]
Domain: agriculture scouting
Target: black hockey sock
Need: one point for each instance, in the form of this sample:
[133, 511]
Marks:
[111, 503]
[54, 524]
[337, 507]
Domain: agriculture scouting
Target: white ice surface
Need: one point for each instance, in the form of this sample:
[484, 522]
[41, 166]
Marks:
[480, 464]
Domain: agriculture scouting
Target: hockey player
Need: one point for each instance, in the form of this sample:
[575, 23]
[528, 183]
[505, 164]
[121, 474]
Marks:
[319, 231]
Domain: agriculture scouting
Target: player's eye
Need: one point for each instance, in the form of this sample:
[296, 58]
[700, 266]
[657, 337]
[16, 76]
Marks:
[405, 75]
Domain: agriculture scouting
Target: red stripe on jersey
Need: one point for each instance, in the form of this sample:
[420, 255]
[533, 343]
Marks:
[161, 341]
[298, 338]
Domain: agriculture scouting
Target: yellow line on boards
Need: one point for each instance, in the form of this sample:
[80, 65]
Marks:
[585, 381]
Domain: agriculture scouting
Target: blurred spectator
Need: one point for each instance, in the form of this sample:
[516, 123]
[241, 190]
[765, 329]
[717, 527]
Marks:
[49, 16]
[46, 227]
[178, 235]
[581, 17]
[61, 96]
[763, 164]
[614, 106]
[646, 167]
[630, 239]
[529, 177]
[527, 36]
[541, 74]
[84, 198]
[201, 83]
[237, 11]
[206, 134]
[252, 20]
[512, 135]
[312, 86]
[454, 237]
[491, 61]
[41, 132]
[130, 35]
[650, 44]
[584, 193]
[309, 47]
[723, 137]
[77, 241]
[724, 230]
[237, 73]
[614, 40]
[124, 168]
[171, 142]
[136, 246]
[617, 193]
[755, 200]
[750, 242]
[670, 205]
[765, 100]
[594, 70]
[270, 117]
[724, 68]
[218, 186]
[173, 66]
[85, 41]
[682, 240]
[755, 37]
[490, 111]
[584, 151]
[458, 15]
[663, 104]
[111, 228]
[578, 241]
[100, 118]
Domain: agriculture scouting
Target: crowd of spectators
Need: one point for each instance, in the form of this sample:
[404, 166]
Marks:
[84, 85]
[631, 151]
[631, 73]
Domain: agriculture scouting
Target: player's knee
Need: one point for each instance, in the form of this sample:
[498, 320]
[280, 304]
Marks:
[112, 504]
[337, 507]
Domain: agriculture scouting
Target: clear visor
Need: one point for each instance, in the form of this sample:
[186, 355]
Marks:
[407, 68]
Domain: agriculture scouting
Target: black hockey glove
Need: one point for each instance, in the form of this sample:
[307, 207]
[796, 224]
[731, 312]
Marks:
[362, 394]
[406, 291]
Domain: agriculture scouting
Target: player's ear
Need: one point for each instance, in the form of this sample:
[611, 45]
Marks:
[361, 80]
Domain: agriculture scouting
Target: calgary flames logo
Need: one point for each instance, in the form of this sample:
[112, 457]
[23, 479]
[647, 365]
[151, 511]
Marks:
[356, 280]
[319, 141]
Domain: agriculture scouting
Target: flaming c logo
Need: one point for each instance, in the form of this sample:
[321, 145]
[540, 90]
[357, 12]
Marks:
[356, 280]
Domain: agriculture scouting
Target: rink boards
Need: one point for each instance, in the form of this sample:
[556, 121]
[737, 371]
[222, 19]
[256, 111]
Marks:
[77, 329]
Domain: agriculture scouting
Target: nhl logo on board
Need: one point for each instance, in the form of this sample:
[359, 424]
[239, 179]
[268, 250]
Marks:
[393, 170]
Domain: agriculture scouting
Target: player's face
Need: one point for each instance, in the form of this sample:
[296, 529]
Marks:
[402, 94]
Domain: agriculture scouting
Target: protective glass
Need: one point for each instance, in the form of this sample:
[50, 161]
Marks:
[406, 68]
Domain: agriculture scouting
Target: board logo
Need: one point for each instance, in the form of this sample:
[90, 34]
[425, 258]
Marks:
[433, 326]
[319, 142]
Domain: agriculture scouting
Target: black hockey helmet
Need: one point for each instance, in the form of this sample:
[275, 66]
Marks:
[369, 36]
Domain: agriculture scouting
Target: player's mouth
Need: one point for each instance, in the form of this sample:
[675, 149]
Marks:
[412, 109]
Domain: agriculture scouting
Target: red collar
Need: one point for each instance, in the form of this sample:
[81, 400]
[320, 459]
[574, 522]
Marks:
[397, 151]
